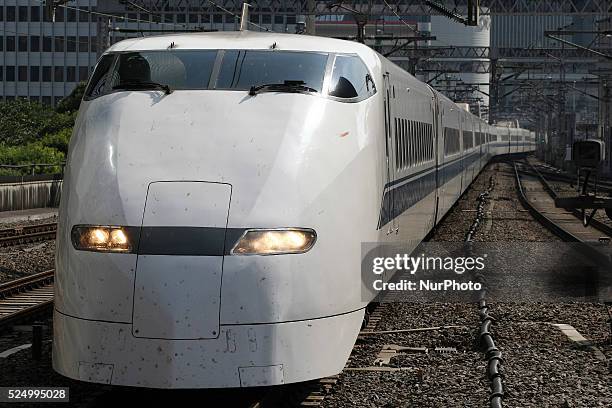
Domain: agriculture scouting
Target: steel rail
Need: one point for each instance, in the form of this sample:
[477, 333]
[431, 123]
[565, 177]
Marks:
[29, 233]
[606, 229]
[582, 246]
[25, 297]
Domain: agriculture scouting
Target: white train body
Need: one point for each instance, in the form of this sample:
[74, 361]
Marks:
[185, 175]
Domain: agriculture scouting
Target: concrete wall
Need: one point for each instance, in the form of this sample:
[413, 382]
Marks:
[32, 194]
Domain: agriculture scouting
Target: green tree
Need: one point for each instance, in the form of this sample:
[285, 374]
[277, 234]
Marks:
[32, 153]
[58, 140]
[72, 102]
[23, 122]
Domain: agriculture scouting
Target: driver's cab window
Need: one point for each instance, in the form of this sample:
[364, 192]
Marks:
[351, 79]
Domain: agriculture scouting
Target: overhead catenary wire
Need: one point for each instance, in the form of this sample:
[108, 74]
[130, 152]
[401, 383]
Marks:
[401, 19]
[159, 22]
[97, 13]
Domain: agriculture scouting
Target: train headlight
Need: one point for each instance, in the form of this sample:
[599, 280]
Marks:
[100, 238]
[275, 241]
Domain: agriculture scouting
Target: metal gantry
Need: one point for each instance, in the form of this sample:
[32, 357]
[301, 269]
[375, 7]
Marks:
[380, 7]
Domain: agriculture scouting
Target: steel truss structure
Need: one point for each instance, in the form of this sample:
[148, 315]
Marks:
[373, 7]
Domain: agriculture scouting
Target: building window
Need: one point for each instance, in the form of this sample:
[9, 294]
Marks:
[46, 74]
[1, 13]
[35, 13]
[132, 16]
[10, 73]
[34, 43]
[181, 18]
[10, 43]
[46, 100]
[83, 44]
[23, 43]
[1, 73]
[59, 44]
[10, 14]
[94, 44]
[23, 13]
[168, 18]
[58, 74]
[70, 74]
[193, 18]
[34, 73]
[83, 15]
[71, 44]
[1, 40]
[83, 73]
[47, 44]
[71, 15]
[60, 14]
[22, 72]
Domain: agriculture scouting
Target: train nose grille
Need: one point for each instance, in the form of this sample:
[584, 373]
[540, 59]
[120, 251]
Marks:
[178, 274]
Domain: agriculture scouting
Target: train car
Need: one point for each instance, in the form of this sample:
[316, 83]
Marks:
[217, 192]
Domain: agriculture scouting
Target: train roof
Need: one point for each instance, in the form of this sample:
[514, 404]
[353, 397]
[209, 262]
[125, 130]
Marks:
[242, 40]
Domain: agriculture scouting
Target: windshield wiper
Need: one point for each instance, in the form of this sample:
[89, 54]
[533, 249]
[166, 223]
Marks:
[286, 86]
[144, 85]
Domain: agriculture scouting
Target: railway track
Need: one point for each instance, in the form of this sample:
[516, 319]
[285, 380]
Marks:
[25, 297]
[27, 234]
[538, 197]
[550, 173]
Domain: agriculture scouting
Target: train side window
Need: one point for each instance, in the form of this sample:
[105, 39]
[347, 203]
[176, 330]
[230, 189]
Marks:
[406, 142]
[431, 139]
[418, 144]
[405, 139]
[427, 144]
[401, 150]
[100, 78]
[411, 154]
[396, 143]
[421, 142]
[351, 79]
[415, 152]
[411, 144]
[400, 142]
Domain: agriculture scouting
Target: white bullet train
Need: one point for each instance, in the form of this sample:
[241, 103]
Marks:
[216, 195]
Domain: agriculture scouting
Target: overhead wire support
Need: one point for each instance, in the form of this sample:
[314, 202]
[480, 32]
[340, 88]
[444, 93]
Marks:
[549, 34]
[473, 9]
[236, 15]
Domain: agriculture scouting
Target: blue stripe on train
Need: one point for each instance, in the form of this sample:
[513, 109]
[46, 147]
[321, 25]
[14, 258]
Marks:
[418, 187]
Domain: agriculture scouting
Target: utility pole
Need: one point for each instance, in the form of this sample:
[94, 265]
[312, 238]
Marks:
[310, 17]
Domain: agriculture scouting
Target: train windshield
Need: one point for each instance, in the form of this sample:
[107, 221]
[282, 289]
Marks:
[242, 69]
[180, 69]
[193, 70]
